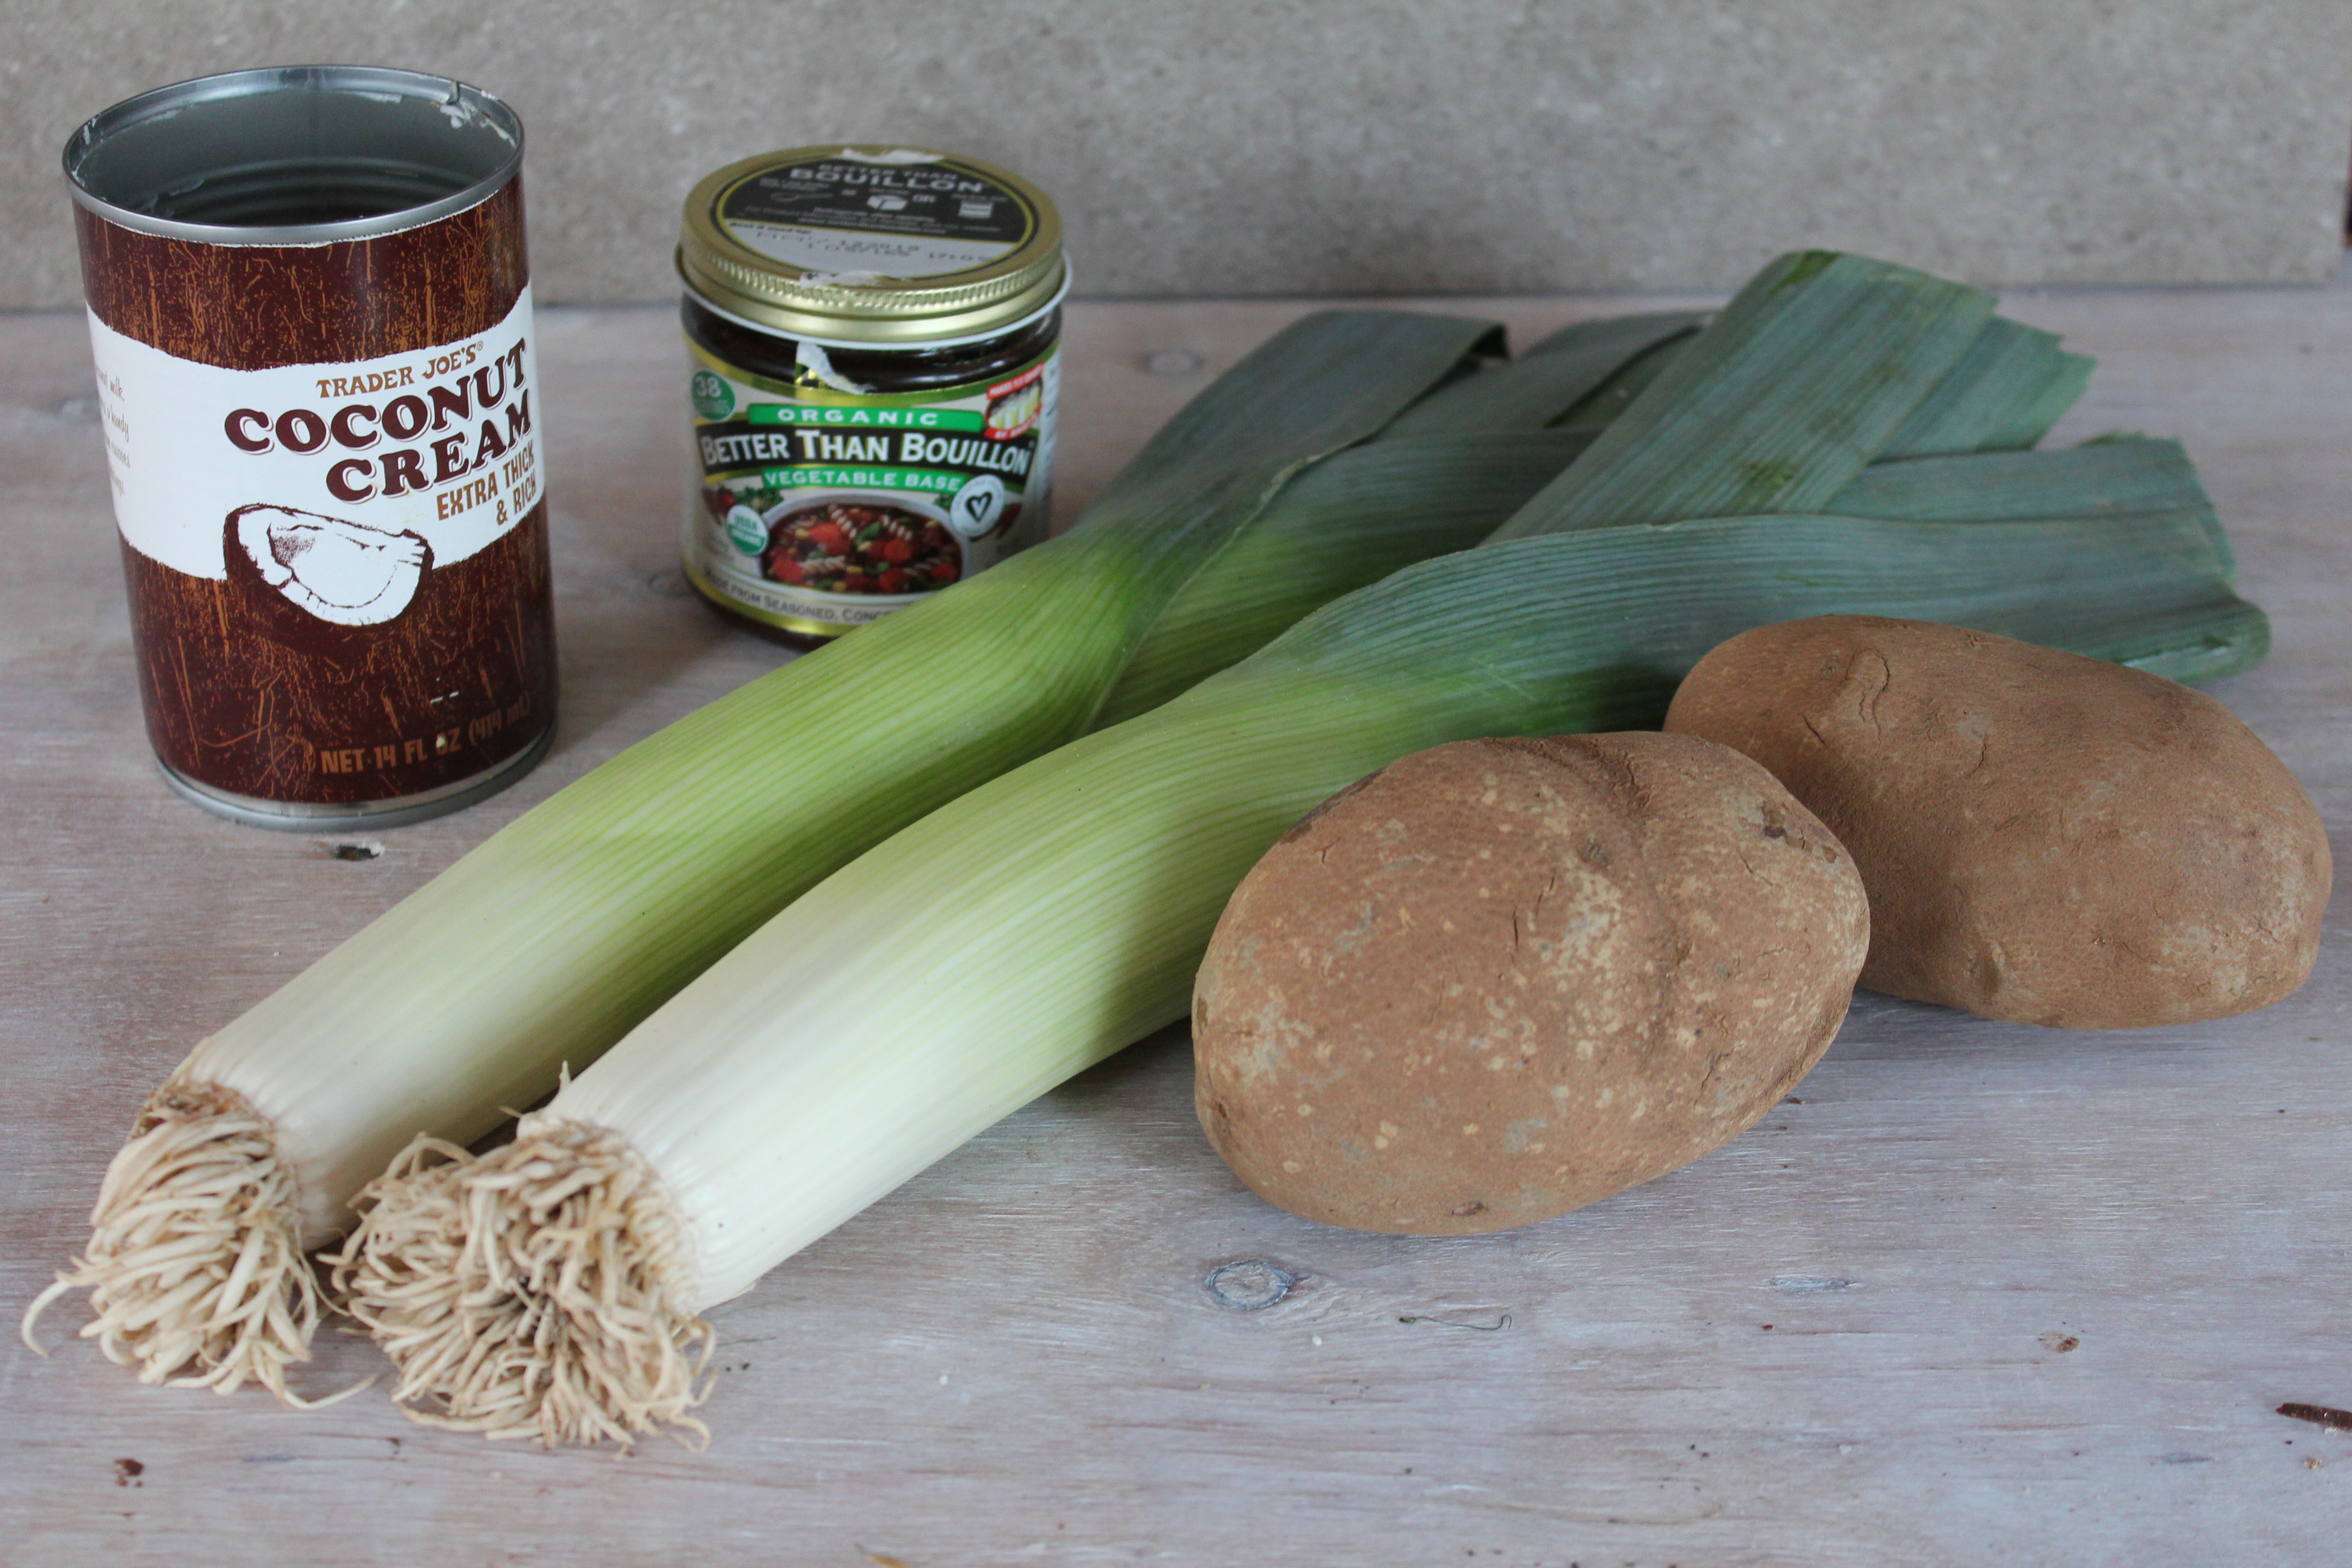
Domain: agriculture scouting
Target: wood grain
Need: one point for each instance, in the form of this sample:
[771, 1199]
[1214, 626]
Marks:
[1976, 1294]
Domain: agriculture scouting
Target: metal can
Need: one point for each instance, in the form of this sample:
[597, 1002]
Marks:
[873, 336]
[309, 309]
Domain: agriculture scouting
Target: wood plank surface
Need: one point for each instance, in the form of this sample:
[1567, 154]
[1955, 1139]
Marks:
[1976, 1294]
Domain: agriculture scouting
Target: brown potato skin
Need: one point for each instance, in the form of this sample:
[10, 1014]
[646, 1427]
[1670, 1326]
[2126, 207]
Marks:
[2046, 838]
[1500, 980]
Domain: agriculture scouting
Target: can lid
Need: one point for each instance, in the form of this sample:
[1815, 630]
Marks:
[294, 155]
[871, 244]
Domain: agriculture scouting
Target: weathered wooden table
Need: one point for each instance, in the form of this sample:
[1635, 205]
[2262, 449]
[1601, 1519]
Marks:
[1976, 1294]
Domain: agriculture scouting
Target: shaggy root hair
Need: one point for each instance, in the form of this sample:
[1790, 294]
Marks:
[534, 1292]
[195, 1256]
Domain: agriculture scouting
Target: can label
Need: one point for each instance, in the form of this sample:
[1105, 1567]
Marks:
[330, 499]
[337, 488]
[818, 508]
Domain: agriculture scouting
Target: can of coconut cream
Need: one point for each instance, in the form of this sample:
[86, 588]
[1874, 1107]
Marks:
[309, 310]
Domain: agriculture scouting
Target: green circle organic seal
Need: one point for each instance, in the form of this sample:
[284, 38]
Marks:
[748, 528]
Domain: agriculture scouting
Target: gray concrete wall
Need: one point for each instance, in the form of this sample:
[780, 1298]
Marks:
[1311, 146]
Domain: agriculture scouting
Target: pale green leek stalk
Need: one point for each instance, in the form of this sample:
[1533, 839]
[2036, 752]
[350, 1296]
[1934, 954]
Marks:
[1056, 914]
[547, 942]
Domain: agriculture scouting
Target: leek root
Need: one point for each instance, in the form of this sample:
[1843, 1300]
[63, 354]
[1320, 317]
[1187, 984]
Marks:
[200, 1183]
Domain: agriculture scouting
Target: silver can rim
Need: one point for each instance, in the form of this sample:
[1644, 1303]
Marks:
[263, 81]
[397, 811]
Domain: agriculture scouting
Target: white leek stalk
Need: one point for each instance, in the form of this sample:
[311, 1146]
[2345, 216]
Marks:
[554, 1289]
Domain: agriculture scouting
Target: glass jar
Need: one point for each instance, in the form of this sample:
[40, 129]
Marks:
[872, 335]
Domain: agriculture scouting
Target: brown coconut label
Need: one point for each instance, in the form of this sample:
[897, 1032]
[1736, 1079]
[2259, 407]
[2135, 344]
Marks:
[340, 487]
[337, 568]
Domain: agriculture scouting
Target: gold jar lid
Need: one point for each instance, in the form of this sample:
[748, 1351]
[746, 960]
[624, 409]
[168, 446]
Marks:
[872, 244]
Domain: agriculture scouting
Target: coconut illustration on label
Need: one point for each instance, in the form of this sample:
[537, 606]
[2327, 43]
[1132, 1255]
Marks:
[337, 571]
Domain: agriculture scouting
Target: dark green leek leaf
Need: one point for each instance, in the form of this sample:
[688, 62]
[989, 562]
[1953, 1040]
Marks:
[1441, 477]
[2110, 476]
[2139, 588]
[1543, 384]
[1617, 393]
[2008, 390]
[1777, 404]
[2132, 475]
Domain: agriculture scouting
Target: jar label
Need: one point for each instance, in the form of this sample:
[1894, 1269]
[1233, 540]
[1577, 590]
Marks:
[818, 510]
[344, 482]
[895, 215]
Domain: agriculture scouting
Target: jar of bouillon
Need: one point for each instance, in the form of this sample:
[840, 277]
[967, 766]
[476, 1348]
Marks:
[872, 335]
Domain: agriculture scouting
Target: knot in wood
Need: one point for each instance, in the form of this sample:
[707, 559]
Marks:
[1248, 1284]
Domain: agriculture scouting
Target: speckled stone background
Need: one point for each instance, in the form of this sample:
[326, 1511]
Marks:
[1312, 146]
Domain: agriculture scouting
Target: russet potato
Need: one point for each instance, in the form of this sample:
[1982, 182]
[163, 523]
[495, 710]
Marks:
[2045, 838]
[1501, 979]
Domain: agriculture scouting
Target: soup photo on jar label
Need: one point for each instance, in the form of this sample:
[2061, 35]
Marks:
[860, 547]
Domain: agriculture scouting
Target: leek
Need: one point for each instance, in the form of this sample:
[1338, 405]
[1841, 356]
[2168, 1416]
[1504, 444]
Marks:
[2104, 478]
[2004, 394]
[1555, 377]
[1613, 396]
[474, 1275]
[1441, 477]
[1777, 405]
[1378, 496]
[555, 936]
[554, 1289]
[2108, 476]
[1344, 523]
